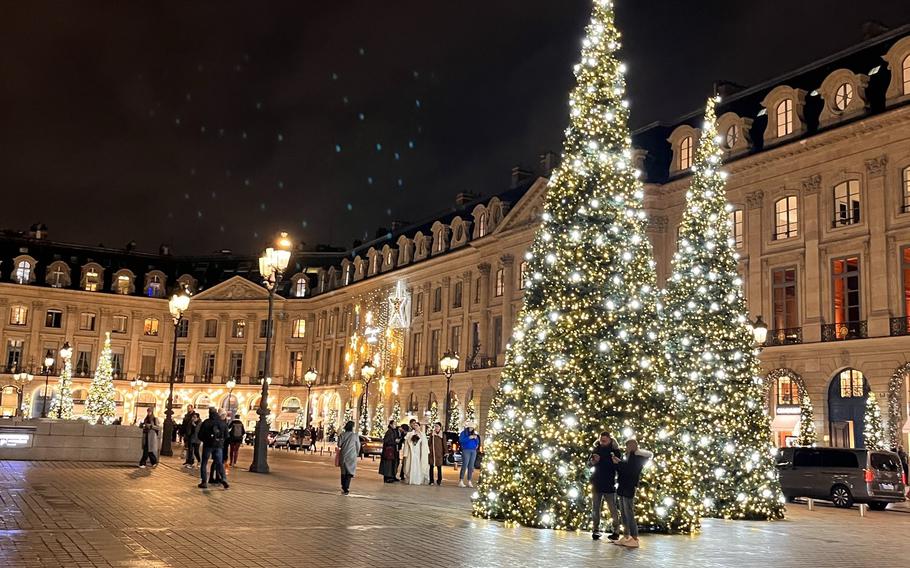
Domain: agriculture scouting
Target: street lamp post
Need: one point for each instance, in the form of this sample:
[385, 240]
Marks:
[309, 379]
[230, 386]
[21, 379]
[65, 353]
[759, 331]
[367, 372]
[177, 305]
[448, 364]
[272, 265]
[48, 364]
[138, 385]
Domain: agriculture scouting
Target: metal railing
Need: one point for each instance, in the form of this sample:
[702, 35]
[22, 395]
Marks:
[845, 331]
[899, 326]
[784, 336]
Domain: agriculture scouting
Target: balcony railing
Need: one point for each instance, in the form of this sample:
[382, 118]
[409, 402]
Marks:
[899, 326]
[844, 331]
[784, 336]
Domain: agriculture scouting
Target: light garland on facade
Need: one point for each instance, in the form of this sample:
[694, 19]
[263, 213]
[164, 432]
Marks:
[895, 385]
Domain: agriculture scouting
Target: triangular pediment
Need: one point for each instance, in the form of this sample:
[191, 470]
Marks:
[234, 288]
[528, 209]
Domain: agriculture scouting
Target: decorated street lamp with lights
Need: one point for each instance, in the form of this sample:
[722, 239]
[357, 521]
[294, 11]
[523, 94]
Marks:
[177, 305]
[367, 373]
[48, 365]
[759, 331]
[230, 384]
[21, 380]
[138, 385]
[272, 264]
[66, 353]
[448, 365]
[309, 379]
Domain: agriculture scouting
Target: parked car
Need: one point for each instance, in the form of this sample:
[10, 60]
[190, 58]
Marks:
[250, 437]
[453, 453]
[271, 437]
[843, 476]
[283, 439]
[370, 446]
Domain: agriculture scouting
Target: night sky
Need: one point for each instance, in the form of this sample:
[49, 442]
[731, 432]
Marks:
[211, 125]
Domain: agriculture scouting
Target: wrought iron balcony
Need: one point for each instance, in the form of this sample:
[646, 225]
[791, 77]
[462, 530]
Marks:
[784, 336]
[845, 331]
[899, 326]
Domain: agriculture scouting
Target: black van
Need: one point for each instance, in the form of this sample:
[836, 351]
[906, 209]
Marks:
[842, 475]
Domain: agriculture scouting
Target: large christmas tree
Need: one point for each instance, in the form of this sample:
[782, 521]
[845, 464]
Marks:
[874, 430]
[713, 362]
[585, 355]
[100, 405]
[62, 405]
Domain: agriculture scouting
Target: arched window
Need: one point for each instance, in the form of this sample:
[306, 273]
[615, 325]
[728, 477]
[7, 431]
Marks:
[91, 282]
[843, 96]
[732, 137]
[154, 288]
[785, 117]
[59, 275]
[482, 225]
[124, 284]
[685, 153]
[852, 384]
[786, 218]
[906, 74]
[300, 287]
[846, 203]
[23, 272]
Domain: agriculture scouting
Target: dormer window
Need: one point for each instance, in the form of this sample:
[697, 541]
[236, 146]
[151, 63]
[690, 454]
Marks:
[482, 225]
[732, 137]
[843, 96]
[23, 272]
[92, 281]
[154, 287]
[124, 284]
[685, 153]
[906, 74]
[785, 118]
[300, 287]
[58, 276]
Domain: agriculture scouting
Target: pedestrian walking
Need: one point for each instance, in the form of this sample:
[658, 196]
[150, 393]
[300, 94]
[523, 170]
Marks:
[437, 447]
[212, 434]
[346, 455]
[191, 438]
[388, 463]
[603, 483]
[416, 454]
[185, 425]
[236, 433]
[629, 474]
[469, 441]
[150, 438]
[216, 475]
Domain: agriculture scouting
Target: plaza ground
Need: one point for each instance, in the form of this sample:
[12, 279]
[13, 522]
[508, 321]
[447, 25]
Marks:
[79, 514]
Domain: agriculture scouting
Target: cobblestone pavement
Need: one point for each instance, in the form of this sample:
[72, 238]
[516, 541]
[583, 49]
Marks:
[77, 514]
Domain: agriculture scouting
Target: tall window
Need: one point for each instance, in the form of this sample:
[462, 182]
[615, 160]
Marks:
[905, 178]
[54, 318]
[783, 298]
[416, 340]
[684, 161]
[500, 282]
[117, 363]
[784, 117]
[87, 321]
[477, 290]
[737, 226]
[455, 339]
[235, 366]
[523, 275]
[457, 292]
[123, 284]
[92, 280]
[211, 328]
[155, 287]
[180, 368]
[298, 328]
[150, 327]
[845, 287]
[786, 218]
[265, 327]
[906, 71]
[84, 362]
[208, 366]
[418, 304]
[437, 299]
[433, 355]
[23, 272]
[846, 203]
[905, 271]
[18, 315]
[787, 393]
[482, 224]
[147, 364]
[119, 324]
[497, 335]
[260, 364]
[238, 328]
[14, 349]
[295, 371]
[852, 384]
[183, 328]
[300, 287]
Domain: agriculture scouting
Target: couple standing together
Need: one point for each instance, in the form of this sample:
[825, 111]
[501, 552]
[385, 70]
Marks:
[418, 454]
[615, 478]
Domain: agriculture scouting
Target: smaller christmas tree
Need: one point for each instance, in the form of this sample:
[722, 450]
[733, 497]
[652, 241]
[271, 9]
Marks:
[807, 435]
[379, 424]
[396, 413]
[874, 432]
[348, 414]
[434, 414]
[454, 416]
[331, 421]
[101, 394]
[363, 421]
[62, 406]
[470, 413]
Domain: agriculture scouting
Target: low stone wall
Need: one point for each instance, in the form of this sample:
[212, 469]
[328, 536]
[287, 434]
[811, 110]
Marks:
[69, 440]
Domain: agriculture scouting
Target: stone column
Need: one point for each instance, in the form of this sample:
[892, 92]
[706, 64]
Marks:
[508, 295]
[250, 357]
[810, 292]
[466, 349]
[134, 357]
[222, 360]
[193, 353]
[485, 347]
[753, 290]
[876, 253]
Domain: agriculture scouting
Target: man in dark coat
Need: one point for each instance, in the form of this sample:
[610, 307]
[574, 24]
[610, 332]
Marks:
[603, 482]
[213, 434]
[388, 464]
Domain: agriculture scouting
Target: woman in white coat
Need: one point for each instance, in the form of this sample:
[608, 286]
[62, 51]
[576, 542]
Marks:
[416, 452]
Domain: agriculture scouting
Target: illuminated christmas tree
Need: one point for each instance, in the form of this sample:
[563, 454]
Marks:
[379, 423]
[348, 414]
[454, 416]
[100, 404]
[807, 435]
[331, 420]
[363, 420]
[874, 430]
[585, 355]
[713, 363]
[62, 405]
[396, 412]
[470, 413]
[434, 414]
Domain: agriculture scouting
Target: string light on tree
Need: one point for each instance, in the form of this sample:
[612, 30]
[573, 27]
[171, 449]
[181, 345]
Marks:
[807, 435]
[709, 348]
[593, 285]
[100, 405]
[62, 406]
[874, 431]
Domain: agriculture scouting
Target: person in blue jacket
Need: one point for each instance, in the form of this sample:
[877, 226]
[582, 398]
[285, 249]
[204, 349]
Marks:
[469, 440]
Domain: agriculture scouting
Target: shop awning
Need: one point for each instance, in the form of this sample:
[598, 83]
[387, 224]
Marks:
[784, 423]
[286, 418]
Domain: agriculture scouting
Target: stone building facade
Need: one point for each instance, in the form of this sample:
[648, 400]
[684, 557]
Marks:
[819, 179]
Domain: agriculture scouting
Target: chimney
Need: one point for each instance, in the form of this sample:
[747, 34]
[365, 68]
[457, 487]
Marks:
[520, 175]
[131, 246]
[873, 28]
[548, 162]
[465, 197]
[38, 231]
[164, 250]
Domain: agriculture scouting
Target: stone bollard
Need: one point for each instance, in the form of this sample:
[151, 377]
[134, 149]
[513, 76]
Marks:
[863, 509]
[811, 503]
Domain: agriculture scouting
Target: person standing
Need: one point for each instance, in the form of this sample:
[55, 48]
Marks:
[402, 433]
[185, 425]
[416, 454]
[150, 431]
[437, 447]
[389, 461]
[236, 432]
[346, 456]
[191, 438]
[469, 441]
[629, 469]
[212, 433]
[603, 483]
